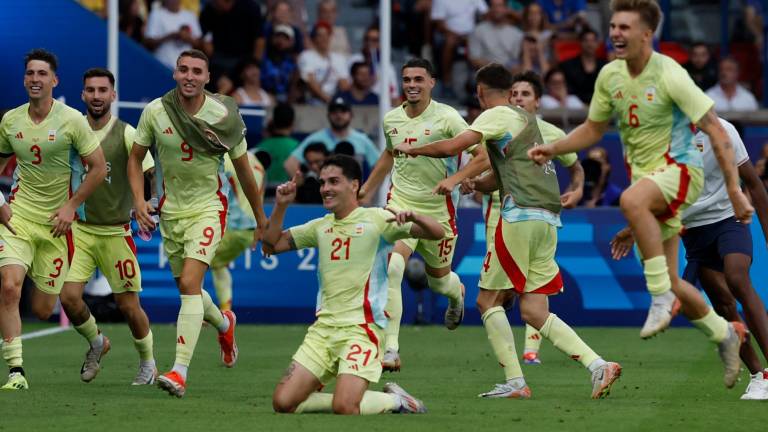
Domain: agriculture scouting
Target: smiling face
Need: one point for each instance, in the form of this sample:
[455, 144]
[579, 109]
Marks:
[98, 95]
[338, 192]
[191, 76]
[417, 85]
[629, 35]
[39, 80]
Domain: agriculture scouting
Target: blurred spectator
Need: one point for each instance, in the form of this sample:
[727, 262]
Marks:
[568, 17]
[534, 56]
[130, 21]
[598, 190]
[701, 66]
[308, 191]
[557, 95]
[324, 72]
[728, 94]
[280, 16]
[297, 13]
[749, 27]
[250, 91]
[411, 29]
[454, 21]
[279, 144]
[326, 12]
[496, 39]
[360, 92]
[535, 24]
[370, 56]
[340, 118]
[279, 71]
[230, 29]
[581, 72]
[170, 31]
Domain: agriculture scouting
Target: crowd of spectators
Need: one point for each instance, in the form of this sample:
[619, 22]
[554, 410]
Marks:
[278, 53]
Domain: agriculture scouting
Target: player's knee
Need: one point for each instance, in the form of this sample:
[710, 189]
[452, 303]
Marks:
[484, 303]
[532, 316]
[737, 279]
[42, 311]
[282, 404]
[345, 407]
[628, 204]
[70, 302]
[10, 294]
[189, 284]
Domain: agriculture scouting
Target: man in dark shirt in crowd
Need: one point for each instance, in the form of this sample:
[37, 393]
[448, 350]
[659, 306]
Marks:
[701, 67]
[308, 191]
[581, 72]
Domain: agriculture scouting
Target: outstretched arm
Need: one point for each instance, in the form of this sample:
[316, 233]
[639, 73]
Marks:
[585, 135]
[424, 227]
[479, 164]
[275, 240]
[443, 148]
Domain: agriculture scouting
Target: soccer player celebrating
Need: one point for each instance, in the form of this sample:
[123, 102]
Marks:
[526, 94]
[191, 131]
[419, 121]
[656, 101]
[526, 235]
[240, 226]
[103, 236]
[353, 244]
[718, 250]
[43, 134]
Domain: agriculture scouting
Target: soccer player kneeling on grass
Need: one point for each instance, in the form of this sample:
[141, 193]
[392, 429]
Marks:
[353, 245]
[526, 235]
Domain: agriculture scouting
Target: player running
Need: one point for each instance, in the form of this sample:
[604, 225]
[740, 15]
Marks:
[526, 234]
[103, 237]
[191, 131]
[419, 121]
[353, 244]
[656, 102]
[47, 137]
[241, 224]
[526, 93]
[718, 250]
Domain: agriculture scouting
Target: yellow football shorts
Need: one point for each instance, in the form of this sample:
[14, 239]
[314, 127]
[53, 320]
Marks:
[234, 243]
[681, 185]
[196, 237]
[114, 256]
[525, 251]
[46, 259]
[330, 351]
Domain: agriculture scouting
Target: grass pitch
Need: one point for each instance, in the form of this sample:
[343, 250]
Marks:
[673, 382]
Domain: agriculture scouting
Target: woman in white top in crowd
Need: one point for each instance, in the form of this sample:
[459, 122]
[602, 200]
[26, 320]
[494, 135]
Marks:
[250, 92]
[557, 95]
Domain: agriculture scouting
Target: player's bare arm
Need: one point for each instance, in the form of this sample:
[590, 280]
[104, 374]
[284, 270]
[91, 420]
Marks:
[479, 164]
[275, 240]
[424, 227]
[622, 243]
[5, 208]
[443, 148]
[710, 124]
[136, 179]
[251, 190]
[585, 135]
[380, 170]
[97, 171]
[756, 190]
[486, 183]
[575, 190]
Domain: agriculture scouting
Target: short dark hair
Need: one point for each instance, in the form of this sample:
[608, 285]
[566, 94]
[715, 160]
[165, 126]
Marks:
[349, 166]
[42, 55]
[587, 31]
[418, 62]
[495, 76]
[533, 79]
[699, 44]
[649, 10]
[194, 53]
[316, 147]
[283, 116]
[356, 66]
[345, 148]
[551, 72]
[99, 72]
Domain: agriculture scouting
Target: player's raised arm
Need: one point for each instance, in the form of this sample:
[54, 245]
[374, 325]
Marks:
[443, 148]
[276, 240]
[97, 171]
[479, 164]
[380, 170]
[136, 180]
[721, 145]
[251, 190]
[423, 227]
[585, 135]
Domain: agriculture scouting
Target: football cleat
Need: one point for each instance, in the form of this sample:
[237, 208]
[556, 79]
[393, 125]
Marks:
[408, 403]
[728, 349]
[173, 383]
[455, 314]
[509, 390]
[603, 378]
[227, 341]
[146, 376]
[92, 364]
[757, 388]
[659, 315]
[531, 358]
[16, 381]
[390, 362]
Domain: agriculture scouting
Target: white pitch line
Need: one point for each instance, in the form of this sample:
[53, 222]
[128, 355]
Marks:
[45, 332]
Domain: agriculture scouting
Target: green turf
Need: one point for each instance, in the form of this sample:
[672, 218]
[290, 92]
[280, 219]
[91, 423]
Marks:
[670, 383]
